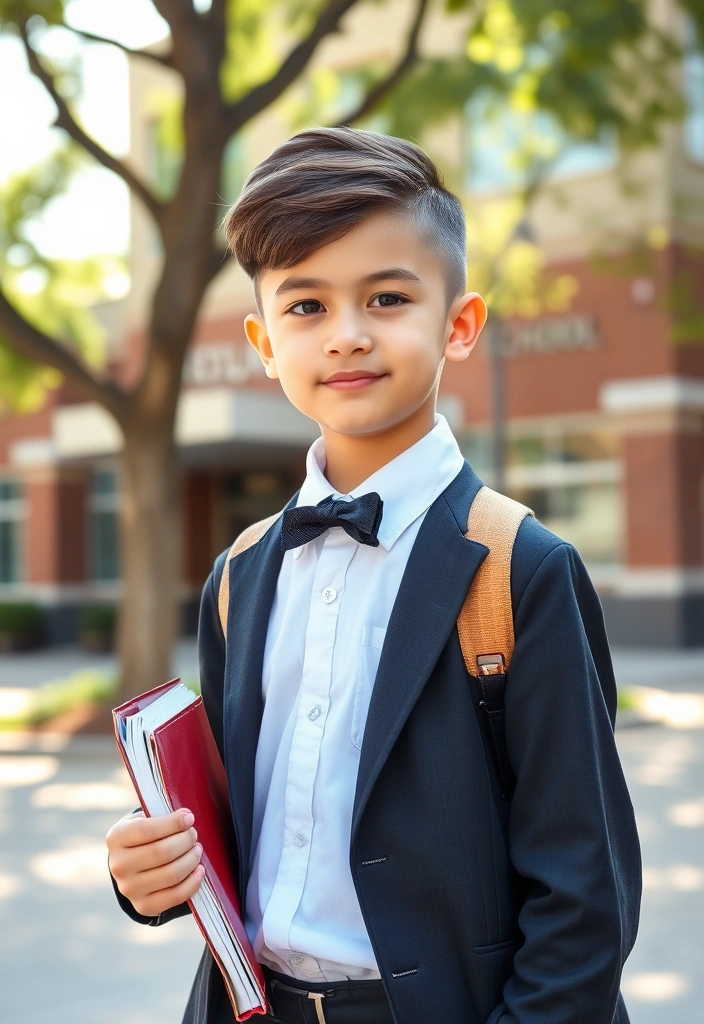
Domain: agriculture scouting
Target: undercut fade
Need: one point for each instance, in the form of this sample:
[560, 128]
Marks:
[322, 182]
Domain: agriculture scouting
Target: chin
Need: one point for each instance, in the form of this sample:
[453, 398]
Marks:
[360, 426]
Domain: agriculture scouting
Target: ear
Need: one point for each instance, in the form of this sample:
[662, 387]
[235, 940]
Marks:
[258, 338]
[466, 317]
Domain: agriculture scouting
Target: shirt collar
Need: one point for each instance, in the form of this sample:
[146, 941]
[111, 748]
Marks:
[408, 485]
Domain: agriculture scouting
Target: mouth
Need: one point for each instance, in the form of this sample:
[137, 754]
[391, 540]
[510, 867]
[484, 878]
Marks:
[352, 380]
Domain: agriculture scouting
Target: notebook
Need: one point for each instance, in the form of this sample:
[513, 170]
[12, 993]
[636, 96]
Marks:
[169, 751]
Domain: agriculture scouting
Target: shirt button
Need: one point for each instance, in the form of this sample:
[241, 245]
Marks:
[329, 595]
[314, 712]
[299, 840]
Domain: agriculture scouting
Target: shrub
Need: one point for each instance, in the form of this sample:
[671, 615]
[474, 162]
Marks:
[98, 618]
[52, 699]
[18, 617]
[62, 695]
[20, 625]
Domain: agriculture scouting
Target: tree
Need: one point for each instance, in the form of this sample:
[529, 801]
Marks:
[54, 295]
[579, 62]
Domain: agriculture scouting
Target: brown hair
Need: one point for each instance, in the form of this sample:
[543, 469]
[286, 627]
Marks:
[322, 182]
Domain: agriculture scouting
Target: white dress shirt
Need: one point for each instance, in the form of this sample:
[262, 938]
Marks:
[326, 629]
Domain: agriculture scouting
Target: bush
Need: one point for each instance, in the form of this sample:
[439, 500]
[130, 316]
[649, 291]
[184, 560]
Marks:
[20, 625]
[62, 695]
[52, 699]
[17, 617]
[99, 618]
[97, 628]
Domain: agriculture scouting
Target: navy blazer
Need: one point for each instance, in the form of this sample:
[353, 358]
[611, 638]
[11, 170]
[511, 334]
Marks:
[479, 910]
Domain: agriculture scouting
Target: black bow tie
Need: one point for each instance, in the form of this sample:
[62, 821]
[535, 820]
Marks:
[360, 518]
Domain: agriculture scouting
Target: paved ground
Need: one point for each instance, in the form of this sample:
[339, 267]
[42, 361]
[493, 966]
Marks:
[665, 771]
[67, 953]
[31, 668]
[69, 956]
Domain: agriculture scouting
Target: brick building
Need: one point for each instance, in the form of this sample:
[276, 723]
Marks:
[605, 401]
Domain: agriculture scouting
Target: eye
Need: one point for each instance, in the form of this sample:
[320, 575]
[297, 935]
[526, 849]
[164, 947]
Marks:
[389, 299]
[308, 307]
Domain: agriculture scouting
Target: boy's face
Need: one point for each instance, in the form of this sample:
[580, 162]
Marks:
[358, 331]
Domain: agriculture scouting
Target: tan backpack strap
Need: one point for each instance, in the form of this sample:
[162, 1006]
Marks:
[246, 539]
[485, 624]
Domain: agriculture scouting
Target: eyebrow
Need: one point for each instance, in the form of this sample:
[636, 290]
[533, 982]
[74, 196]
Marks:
[389, 273]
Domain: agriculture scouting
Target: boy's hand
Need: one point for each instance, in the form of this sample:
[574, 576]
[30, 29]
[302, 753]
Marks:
[155, 861]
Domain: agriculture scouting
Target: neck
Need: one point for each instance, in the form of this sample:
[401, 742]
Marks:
[351, 459]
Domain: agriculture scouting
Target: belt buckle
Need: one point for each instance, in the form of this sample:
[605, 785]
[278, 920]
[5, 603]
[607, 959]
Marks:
[318, 997]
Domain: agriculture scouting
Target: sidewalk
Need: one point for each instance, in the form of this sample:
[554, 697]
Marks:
[676, 671]
[32, 668]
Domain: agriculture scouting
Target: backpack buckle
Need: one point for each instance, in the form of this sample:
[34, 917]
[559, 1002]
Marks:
[491, 664]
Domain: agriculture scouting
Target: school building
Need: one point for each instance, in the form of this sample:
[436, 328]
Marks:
[604, 399]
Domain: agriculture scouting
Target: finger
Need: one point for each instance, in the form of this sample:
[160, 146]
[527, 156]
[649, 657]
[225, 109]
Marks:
[135, 859]
[168, 876]
[135, 831]
[164, 899]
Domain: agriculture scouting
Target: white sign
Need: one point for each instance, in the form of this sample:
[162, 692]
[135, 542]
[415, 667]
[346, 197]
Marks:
[221, 362]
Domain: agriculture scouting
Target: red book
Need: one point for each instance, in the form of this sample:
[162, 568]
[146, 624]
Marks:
[171, 756]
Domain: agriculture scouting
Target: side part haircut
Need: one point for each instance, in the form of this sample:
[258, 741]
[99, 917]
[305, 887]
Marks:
[322, 182]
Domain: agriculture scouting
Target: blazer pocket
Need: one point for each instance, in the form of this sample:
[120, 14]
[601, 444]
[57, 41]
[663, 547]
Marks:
[369, 655]
[496, 947]
[492, 967]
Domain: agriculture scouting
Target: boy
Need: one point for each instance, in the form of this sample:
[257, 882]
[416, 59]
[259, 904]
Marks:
[384, 878]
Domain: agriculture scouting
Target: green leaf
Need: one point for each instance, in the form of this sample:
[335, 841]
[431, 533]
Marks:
[54, 295]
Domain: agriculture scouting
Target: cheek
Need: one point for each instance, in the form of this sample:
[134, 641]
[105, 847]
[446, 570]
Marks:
[416, 354]
[293, 359]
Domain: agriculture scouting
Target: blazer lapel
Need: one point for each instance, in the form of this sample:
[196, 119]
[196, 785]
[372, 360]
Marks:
[253, 582]
[438, 574]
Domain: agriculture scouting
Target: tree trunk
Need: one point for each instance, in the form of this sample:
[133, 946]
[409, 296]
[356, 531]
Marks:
[151, 558]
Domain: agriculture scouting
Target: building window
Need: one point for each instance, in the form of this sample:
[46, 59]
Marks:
[12, 512]
[104, 526]
[571, 478]
[587, 515]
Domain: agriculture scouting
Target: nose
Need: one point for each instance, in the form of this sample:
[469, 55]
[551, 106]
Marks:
[347, 337]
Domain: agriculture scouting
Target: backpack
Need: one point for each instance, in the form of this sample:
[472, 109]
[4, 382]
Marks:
[485, 623]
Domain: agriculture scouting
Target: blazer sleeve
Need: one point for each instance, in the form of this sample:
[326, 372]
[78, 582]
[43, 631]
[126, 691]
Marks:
[211, 660]
[572, 832]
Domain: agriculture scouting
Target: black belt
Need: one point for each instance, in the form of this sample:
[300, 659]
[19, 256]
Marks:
[326, 1002]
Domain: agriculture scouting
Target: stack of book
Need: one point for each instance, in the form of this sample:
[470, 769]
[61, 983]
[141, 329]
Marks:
[169, 751]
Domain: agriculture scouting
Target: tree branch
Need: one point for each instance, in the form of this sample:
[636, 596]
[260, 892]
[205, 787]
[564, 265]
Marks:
[258, 98]
[221, 259]
[180, 15]
[216, 19]
[409, 58]
[35, 345]
[66, 121]
[163, 59]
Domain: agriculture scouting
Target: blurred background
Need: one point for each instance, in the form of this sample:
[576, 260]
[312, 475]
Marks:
[139, 435]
